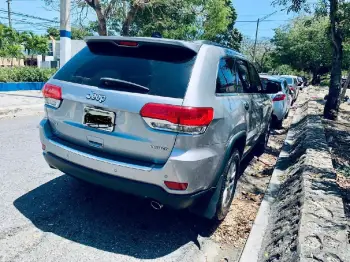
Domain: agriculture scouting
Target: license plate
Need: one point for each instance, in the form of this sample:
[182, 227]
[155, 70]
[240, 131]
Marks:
[99, 119]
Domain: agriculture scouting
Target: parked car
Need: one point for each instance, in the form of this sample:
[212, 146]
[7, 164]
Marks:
[305, 80]
[301, 83]
[281, 96]
[163, 119]
[292, 84]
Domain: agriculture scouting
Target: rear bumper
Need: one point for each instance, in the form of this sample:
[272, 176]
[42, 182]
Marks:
[124, 185]
[278, 110]
[197, 167]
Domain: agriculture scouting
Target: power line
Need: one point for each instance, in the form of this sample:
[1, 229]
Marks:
[254, 21]
[29, 23]
[27, 16]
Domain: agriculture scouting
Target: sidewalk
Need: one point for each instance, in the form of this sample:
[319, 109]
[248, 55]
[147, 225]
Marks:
[19, 103]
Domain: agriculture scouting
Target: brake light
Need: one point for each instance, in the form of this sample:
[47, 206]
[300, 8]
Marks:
[176, 185]
[52, 95]
[291, 88]
[191, 120]
[128, 43]
[279, 97]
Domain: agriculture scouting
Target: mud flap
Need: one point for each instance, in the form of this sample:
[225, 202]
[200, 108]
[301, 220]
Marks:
[207, 208]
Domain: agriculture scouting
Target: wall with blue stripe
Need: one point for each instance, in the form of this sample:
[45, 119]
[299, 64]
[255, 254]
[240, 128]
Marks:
[21, 86]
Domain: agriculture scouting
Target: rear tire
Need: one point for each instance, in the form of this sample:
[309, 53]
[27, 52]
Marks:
[228, 186]
[286, 116]
[263, 140]
[279, 123]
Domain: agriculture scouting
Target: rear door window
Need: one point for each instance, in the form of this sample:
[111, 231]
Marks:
[243, 74]
[227, 79]
[255, 82]
[164, 70]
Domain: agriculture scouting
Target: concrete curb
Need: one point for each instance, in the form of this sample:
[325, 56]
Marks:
[254, 243]
[21, 86]
[301, 217]
[21, 110]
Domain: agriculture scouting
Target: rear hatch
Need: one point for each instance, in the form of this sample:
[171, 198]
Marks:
[272, 87]
[105, 86]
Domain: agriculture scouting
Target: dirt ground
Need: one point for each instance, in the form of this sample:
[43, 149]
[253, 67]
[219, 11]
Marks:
[252, 185]
[338, 138]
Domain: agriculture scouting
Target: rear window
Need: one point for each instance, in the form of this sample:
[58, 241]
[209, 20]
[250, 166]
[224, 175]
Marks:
[164, 70]
[289, 80]
[271, 87]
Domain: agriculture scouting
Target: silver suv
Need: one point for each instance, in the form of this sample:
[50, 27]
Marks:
[163, 119]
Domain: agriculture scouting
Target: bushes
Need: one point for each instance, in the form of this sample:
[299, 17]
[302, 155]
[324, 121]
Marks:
[325, 82]
[25, 74]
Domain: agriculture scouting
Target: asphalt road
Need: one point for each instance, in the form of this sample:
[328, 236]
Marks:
[48, 216]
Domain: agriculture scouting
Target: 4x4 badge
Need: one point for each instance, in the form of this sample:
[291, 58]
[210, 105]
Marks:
[96, 97]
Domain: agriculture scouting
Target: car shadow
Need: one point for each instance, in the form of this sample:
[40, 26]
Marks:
[108, 220]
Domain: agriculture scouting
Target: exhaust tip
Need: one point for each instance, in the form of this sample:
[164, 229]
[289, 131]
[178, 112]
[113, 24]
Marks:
[156, 205]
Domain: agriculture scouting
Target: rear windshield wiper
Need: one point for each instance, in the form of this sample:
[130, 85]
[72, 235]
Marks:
[115, 83]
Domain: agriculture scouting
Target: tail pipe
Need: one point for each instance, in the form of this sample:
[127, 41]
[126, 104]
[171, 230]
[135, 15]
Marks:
[156, 205]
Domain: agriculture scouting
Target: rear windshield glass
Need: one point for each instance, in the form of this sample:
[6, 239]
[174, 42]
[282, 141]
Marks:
[271, 87]
[165, 71]
[289, 80]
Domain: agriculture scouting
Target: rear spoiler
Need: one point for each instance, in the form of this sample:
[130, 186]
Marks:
[194, 47]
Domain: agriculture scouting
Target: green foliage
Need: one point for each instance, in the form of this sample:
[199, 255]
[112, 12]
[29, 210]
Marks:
[10, 44]
[53, 32]
[78, 33]
[325, 82]
[34, 44]
[25, 74]
[304, 45]
[263, 54]
[177, 19]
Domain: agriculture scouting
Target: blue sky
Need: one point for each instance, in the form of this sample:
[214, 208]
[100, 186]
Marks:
[247, 10]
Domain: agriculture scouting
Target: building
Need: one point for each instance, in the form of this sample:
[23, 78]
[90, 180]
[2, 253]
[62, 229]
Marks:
[53, 56]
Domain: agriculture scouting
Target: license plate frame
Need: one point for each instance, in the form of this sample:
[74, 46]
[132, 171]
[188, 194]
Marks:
[99, 119]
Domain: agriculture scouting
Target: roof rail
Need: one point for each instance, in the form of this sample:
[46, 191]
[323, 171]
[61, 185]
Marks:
[206, 42]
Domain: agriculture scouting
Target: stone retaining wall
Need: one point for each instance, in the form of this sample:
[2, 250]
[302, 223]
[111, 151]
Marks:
[307, 220]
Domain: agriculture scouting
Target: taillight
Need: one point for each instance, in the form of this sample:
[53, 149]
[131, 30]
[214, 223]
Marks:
[279, 97]
[176, 185]
[52, 95]
[191, 120]
[291, 88]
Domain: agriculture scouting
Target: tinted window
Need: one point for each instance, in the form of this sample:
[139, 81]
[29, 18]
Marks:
[164, 70]
[243, 74]
[289, 80]
[255, 83]
[270, 86]
[226, 80]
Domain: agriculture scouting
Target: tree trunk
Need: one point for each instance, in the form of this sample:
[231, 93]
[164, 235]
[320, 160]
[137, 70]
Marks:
[332, 105]
[129, 19]
[314, 78]
[345, 87]
[102, 23]
[101, 18]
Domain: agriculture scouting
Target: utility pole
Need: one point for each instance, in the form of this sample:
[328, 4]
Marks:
[256, 38]
[257, 29]
[9, 12]
[65, 32]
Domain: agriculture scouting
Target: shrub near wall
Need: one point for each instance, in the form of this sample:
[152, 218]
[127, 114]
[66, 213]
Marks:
[25, 74]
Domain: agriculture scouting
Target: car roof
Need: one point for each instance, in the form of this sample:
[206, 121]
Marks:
[272, 78]
[192, 45]
[289, 76]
